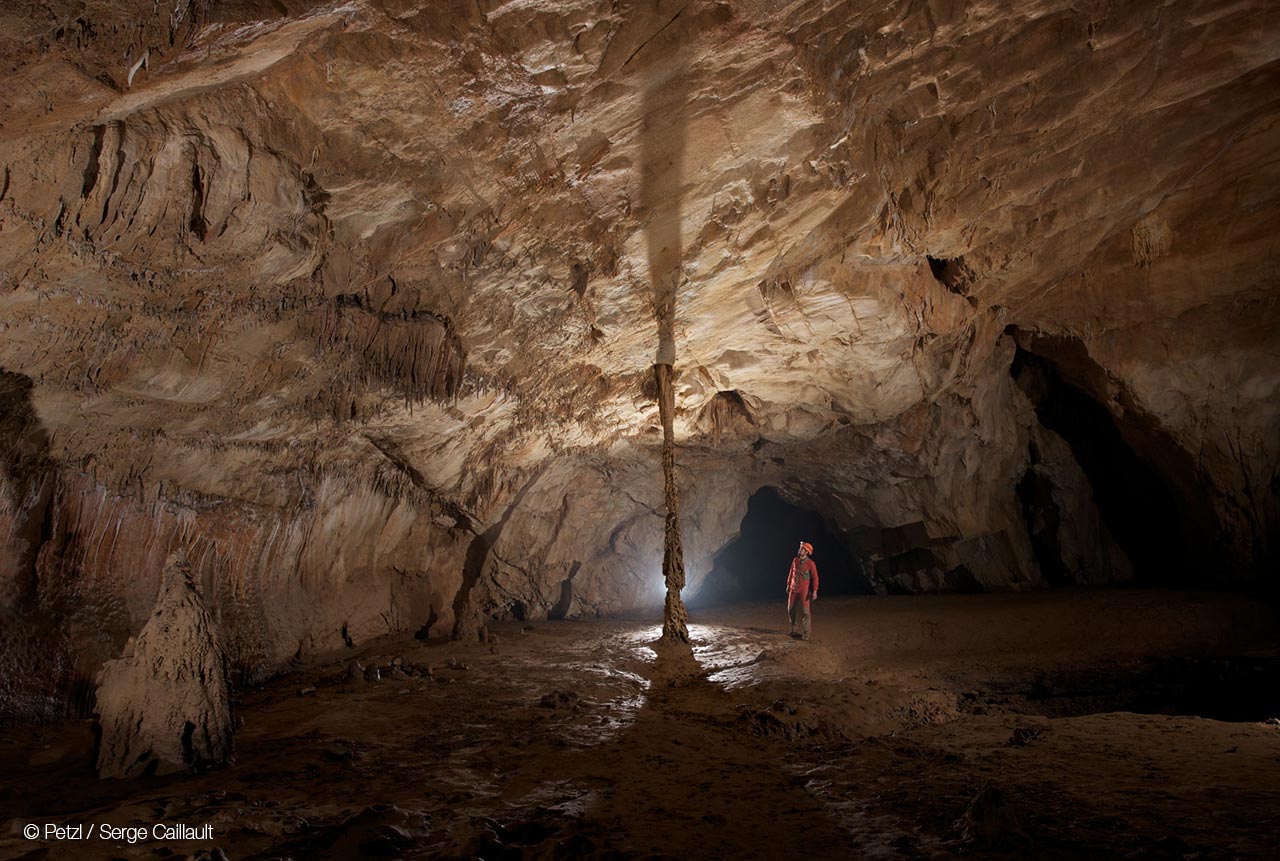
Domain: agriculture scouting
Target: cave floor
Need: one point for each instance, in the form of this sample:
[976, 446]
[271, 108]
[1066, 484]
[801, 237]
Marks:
[574, 740]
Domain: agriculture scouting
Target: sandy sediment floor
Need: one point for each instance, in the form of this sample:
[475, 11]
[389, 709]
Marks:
[1131, 724]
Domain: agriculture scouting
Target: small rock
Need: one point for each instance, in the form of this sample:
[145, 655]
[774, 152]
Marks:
[560, 700]
[302, 692]
[397, 662]
[989, 821]
[339, 752]
[455, 664]
[388, 841]
[355, 672]
[1024, 735]
[372, 674]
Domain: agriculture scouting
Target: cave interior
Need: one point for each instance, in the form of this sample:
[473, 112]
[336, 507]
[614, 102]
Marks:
[409, 411]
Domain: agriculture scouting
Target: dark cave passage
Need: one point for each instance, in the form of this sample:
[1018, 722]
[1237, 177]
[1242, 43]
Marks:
[1140, 505]
[753, 567]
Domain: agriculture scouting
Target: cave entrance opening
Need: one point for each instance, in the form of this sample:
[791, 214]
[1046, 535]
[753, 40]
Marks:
[1140, 505]
[753, 566]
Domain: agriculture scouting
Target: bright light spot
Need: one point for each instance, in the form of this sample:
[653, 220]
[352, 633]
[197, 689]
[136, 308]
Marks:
[656, 592]
[644, 636]
[703, 633]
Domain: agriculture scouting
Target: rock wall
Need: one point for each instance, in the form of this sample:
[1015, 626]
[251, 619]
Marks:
[351, 301]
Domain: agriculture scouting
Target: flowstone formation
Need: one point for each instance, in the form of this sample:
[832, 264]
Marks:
[165, 705]
[354, 302]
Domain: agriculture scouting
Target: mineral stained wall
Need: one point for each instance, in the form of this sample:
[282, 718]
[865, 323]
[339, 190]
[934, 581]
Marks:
[350, 301]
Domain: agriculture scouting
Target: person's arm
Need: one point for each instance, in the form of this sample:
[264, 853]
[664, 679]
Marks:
[814, 574]
[791, 576]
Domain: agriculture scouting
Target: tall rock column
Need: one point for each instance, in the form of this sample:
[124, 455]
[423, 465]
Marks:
[165, 705]
[662, 155]
[675, 620]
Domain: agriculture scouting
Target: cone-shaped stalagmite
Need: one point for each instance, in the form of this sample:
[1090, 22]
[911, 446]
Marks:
[165, 705]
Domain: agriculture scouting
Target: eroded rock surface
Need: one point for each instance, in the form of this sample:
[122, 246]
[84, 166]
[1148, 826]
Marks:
[353, 300]
[165, 706]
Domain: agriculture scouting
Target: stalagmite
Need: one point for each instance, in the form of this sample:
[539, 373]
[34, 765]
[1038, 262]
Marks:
[165, 704]
[675, 621]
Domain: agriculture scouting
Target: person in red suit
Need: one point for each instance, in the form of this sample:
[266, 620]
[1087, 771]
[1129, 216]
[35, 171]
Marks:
[802, 587]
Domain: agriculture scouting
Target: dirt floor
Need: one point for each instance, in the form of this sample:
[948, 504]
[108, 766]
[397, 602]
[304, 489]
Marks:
[1131, 724]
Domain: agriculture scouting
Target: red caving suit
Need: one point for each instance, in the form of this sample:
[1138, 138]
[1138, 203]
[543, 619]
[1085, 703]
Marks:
[802, 585]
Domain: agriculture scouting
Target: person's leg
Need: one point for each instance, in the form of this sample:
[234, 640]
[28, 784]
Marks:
[791, 612]
[805, 613]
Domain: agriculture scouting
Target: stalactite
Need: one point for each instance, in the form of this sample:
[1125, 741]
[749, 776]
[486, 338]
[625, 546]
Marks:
[415, 351]
[725, 414]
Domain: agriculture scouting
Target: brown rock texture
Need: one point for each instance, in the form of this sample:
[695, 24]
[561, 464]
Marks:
[165, 706]
[353, 301]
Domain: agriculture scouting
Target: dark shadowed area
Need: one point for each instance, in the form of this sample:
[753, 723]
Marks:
[753, 567]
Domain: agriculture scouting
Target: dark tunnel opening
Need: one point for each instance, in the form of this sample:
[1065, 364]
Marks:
[1139, 507]
[753, 567]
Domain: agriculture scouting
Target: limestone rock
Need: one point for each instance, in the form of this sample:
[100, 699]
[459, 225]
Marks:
[353, 301]
[165, 705]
